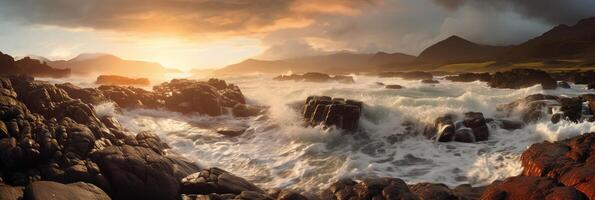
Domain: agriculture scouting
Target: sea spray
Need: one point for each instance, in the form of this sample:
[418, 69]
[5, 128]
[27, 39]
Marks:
[278, 151]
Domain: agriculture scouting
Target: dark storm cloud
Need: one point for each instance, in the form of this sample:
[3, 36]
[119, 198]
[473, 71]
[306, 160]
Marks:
[181, 16]
[550, 11]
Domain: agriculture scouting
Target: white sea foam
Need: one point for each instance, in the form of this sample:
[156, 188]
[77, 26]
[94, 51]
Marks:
[277, 151]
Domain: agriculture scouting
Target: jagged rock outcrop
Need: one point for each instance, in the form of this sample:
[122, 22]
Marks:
[315, 77]
[522, 78]
[209, 97]
[343, 114]
[569, 162]
[472, 128]
[538, 106]
[87, 95]
[47, 135]
[121, 80]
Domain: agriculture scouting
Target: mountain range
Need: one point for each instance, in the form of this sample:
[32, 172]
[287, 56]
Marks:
[575, 42]
[95, 64]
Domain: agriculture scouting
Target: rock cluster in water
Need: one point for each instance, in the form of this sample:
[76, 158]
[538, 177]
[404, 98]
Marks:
[120, 80]
[211, 97]
[513, 79]
[535, 107]
[315, 77]
[342, 113]
[54, 146]
[472, 128]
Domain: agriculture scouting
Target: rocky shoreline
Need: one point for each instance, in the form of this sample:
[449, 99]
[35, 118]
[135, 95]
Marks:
[52, 143]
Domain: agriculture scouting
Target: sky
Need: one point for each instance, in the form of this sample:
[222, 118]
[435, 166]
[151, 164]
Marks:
[188, 34]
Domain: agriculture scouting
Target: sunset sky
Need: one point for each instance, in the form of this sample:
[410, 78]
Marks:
[188, 34]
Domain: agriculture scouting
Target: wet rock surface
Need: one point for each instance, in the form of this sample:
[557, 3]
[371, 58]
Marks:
[45, 135]
[471, 128]
[216, 180]
[569, 162]
[343, 114]
[315, 77]
[539, 106]
[372, 188]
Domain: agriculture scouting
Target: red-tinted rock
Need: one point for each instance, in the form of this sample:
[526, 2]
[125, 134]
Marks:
[120, 80]
[529, 188]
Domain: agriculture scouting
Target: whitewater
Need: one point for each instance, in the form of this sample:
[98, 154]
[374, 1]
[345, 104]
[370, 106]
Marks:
[277, 151]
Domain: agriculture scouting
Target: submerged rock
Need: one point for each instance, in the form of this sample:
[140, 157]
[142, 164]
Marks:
[394, 87]
[563, 84]
[343, 114]
[430, 81]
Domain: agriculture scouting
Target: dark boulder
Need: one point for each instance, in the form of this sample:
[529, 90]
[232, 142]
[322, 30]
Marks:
[343, 114]
[522, 78]
[209, 97]
[87, 95]
[42, 190]
[131, 97]
[218, 181]
[373, 188]
[137, 173]
[472, 128]
[432, 191]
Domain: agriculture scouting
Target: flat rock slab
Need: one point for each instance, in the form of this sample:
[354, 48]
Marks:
[44, 190]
